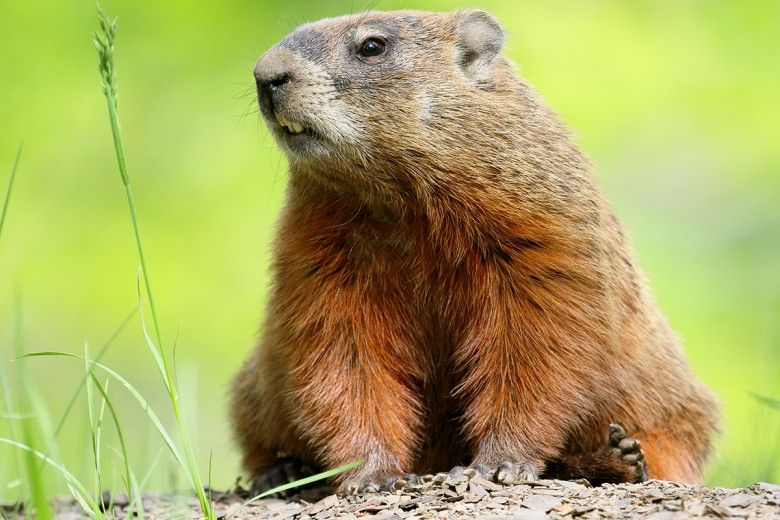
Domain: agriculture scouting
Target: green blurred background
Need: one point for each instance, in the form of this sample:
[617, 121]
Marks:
[675, 102]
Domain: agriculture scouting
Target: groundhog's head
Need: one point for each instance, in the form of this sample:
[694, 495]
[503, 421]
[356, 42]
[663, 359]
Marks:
[373, 96]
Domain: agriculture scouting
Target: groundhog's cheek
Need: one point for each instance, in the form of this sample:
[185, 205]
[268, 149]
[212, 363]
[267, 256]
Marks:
[326, 107]
[424, 105]
[338, 122]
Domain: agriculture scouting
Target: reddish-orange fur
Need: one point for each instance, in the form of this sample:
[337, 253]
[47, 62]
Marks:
[460, 293]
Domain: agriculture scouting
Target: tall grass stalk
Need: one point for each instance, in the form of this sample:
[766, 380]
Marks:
[156, 422]
[104, 43]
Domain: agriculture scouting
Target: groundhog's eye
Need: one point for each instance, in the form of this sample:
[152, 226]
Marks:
[371, 47]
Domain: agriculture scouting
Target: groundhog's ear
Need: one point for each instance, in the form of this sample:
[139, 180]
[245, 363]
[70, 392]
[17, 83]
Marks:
[479, 40]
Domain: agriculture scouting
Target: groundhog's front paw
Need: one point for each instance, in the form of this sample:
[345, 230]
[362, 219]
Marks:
[627, 450]
[283, 471]
[508, 472]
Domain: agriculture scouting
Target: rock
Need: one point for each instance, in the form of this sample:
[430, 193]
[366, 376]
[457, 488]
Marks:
[717, 510]
[666, 515]
[521, 514]
[541, 502]
[739, 500]
[486, 484]
[571, 485]
[477, 490]
[325, 503]
[766, 486]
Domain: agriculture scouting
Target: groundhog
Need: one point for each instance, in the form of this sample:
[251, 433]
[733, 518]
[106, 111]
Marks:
[450, 287]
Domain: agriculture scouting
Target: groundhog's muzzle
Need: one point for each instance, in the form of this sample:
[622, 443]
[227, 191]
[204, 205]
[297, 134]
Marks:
[275, 74]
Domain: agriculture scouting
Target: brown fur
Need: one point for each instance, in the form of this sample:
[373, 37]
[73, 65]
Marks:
[450, 286]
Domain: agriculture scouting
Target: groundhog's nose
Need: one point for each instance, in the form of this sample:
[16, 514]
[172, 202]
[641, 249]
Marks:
[271, 88]
[273, 85]
[274, 74]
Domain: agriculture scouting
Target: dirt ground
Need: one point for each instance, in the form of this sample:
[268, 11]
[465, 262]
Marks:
[447, 497]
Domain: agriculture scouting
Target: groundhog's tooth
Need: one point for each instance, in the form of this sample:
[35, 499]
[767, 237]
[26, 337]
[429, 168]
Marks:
[293, 126]
[280, 119]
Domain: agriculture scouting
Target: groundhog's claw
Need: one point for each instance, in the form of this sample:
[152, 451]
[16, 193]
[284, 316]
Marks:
[355, 487]
[456, 474]
[410, 479]
[627, 450]
[376, 482]
[508, 472]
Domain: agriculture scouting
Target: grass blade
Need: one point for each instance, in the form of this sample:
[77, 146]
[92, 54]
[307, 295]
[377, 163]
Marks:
[14, 417]
[33, 432]
[768, 401]
[298, 483]
[93, 435]
[7, 199]
[103, 389]
[153, 348]
[137, 501]
[35, 478]
[211, 457]
[98, 441]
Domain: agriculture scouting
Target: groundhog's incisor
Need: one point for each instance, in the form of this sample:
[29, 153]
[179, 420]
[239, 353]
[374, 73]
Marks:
[450, 286]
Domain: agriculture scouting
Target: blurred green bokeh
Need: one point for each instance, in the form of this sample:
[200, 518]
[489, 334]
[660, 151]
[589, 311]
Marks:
[675, 102]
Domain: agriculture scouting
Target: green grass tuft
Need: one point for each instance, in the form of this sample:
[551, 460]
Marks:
[83, 382]
[78, 489]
